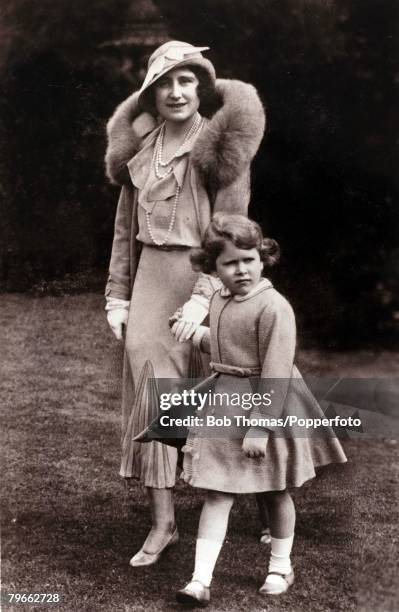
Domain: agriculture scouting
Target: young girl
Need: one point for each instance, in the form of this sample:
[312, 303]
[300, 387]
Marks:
[251, 334]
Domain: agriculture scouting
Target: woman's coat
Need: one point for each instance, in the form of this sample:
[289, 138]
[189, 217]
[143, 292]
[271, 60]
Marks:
[219, 168]
[157, 281]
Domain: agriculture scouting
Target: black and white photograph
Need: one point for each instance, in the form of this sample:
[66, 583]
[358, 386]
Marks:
[199, 305]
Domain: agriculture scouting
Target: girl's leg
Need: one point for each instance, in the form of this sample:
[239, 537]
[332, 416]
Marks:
[281, 512]
[163, 531]
[215, 515]
[265, 537]
[211, 533]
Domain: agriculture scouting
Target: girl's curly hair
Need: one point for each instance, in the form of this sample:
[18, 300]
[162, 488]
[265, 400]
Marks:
[242, 232]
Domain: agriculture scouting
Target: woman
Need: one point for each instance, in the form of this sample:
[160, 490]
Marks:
[174, 175]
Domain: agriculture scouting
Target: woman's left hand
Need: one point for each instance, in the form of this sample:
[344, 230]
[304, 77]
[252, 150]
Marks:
[255, 447]
[190, 316]
[183, 330]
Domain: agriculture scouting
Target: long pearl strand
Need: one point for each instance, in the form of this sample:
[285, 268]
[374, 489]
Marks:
[195, 127]
[171, 222]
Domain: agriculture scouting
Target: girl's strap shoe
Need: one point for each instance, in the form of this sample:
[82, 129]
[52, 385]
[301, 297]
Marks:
[276, 583]
[194, 595]
[265, 536]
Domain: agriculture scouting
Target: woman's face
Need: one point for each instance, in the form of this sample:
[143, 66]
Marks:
[176, 95]
[240, 270]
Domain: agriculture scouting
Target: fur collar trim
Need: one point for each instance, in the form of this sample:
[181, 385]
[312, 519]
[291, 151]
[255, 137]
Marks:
[223, 150]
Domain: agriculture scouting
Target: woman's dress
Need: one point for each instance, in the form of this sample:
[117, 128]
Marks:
[164, 281]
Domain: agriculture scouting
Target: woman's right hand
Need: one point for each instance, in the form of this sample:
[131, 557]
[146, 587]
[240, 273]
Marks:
[117, 318]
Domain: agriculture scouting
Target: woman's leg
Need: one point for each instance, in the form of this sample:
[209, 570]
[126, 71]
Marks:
[281, 512]
[163, 531]
[163, 519]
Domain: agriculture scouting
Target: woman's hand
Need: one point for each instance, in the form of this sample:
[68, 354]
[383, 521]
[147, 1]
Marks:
[183, 330]
[189, 317]
[255, 447]
[117, 318]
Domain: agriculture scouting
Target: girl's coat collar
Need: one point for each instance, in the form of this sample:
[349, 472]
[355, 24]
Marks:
[263, 284]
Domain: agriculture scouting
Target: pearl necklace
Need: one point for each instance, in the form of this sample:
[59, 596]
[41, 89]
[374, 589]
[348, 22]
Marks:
[171, 222]
[158, 149]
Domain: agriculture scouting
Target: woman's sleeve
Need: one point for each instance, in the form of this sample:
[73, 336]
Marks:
[235, 197]
[119, 280]
[276, 346]
[231, 199]
[205, 286]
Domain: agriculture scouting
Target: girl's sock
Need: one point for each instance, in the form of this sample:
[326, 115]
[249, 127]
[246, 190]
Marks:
[280, 556]
[206, 555]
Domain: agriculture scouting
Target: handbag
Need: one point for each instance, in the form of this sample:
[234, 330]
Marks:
[172, 434]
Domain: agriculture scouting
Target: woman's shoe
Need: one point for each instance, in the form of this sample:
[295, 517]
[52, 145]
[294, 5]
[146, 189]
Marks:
[194, 595]
[276, 583]
[143, 558]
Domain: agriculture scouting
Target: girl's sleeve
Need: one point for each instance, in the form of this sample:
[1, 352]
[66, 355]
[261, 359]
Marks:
[202, 339]
[276, 345]
[119, 280]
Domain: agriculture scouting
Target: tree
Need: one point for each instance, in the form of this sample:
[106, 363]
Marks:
[324, 179]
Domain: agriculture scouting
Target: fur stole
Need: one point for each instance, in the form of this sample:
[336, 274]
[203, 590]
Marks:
[224, 149]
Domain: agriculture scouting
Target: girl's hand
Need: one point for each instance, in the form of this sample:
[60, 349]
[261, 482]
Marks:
[255, 447]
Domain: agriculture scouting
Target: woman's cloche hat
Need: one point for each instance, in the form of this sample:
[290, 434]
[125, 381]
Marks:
[174, 54]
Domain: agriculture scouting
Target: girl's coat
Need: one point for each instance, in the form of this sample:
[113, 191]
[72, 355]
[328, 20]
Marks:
[257, 333]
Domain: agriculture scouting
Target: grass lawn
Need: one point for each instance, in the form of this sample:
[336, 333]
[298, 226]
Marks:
[70, 524]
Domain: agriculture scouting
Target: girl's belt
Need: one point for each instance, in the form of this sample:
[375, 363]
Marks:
[224, 368]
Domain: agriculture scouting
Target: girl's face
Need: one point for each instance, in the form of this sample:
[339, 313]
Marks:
[176, 95]
[239, 270]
